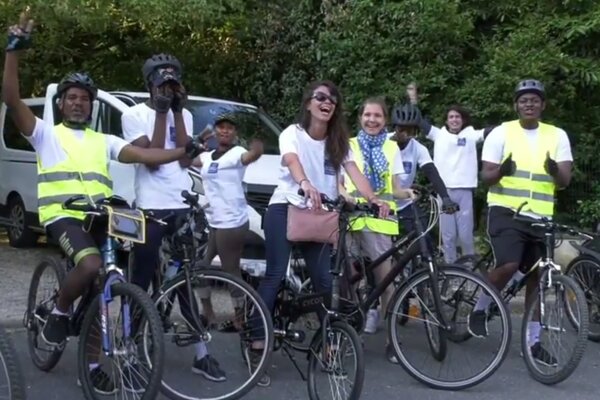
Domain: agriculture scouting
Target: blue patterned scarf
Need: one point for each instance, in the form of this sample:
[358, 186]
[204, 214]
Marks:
[376, 165]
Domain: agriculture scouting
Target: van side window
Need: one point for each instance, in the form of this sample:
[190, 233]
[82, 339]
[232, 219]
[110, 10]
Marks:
[107, 120]
[11, 134]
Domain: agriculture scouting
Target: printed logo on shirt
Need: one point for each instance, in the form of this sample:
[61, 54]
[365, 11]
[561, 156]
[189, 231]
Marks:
[462, 141]
[213, 168]
[329, 168]
[407, 166]
[172, 133]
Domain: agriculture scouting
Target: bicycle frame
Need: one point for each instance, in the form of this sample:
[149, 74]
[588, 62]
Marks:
[418, 246]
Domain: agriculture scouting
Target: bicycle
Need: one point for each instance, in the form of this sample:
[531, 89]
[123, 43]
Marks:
[550, 277]
[11, 379]
[136, 352]
[585, 269]
[236, 301]
[438, 305]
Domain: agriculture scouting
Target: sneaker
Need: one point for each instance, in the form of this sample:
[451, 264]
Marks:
[133, 379]
[209, 368]
[390, 354]
[372, 321]
[253, 357]
[101, 381]
[477, 324]
[56, 330]
[542, 356]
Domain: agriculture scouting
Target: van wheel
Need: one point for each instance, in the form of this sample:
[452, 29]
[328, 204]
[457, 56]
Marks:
[19, 234]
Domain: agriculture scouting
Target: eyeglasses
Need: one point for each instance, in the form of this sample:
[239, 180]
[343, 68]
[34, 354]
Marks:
[321, 97]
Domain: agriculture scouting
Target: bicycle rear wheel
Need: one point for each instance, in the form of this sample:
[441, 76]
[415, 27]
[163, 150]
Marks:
[135, 358]
[11, 379]
[565, 314]
[239, 314]
[340, 360]
[43, 292]
[465, 364]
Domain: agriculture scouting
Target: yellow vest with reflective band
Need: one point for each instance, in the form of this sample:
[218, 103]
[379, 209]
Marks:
[83, 172]
[530, 183]
[387, 193]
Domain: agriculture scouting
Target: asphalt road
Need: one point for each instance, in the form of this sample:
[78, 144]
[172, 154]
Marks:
[383, 380]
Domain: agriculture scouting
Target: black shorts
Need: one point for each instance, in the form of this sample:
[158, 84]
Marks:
[74, 241]
[513, 241]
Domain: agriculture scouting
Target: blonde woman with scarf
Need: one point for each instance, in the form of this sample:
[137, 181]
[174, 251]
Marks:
[380, 160]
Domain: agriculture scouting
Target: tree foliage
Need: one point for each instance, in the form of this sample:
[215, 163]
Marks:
[458, 51]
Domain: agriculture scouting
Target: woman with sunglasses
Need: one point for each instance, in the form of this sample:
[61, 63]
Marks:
[313, 152]
[380, 160]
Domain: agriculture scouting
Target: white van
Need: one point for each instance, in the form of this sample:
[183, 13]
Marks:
[18, 171]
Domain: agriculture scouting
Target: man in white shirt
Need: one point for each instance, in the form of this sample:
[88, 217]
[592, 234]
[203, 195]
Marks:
[523, 161]
[163, 122]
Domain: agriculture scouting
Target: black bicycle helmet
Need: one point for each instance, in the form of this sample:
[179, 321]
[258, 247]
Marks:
[530, 86]
[78, 79]
[406, 115]
[160, 60]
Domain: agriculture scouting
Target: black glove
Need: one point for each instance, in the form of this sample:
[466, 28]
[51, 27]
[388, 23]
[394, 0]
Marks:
[448, 206]
[19, 37]
[508, 166]
[550, 166]
[162, 102]
[179, 98]
[193, 149]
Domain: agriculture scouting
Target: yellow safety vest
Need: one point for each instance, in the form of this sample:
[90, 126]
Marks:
[83, 172]
[386, 194]
[530, 183]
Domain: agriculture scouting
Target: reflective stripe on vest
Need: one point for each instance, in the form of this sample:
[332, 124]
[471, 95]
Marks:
[386, 194]
[84, 171]
[530, 183]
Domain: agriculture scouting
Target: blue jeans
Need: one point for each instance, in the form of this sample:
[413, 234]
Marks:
[317, 257]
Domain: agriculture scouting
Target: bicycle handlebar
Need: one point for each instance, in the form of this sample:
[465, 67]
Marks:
[549, 225]
[342, 205]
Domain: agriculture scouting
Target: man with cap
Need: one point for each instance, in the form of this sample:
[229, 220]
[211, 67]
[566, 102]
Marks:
[163, 122]
[524, 160]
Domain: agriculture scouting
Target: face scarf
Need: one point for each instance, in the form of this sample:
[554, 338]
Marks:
[376, 165]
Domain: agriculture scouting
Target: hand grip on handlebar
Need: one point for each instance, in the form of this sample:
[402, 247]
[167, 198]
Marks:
[324, 198]
[69, 204]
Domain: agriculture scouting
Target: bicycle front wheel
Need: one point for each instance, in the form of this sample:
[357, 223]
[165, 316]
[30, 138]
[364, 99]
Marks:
[464, 364]
[131, 367]
[554, 337]
[11, 380]
[586, 272]
[336, 368]
[201, 334]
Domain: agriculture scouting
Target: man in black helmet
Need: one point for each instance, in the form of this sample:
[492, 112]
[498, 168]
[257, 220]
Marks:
[524, 160]
[162, 122]
[72, 159]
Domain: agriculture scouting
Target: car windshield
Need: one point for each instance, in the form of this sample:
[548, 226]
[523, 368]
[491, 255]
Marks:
[252, 122]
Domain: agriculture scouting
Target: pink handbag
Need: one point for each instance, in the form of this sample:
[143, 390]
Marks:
[306, 225]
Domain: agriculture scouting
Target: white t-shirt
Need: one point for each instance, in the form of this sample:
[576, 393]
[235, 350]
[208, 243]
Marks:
[414, 156]
[222, 181]
[159, 189]
[50, 152]
[319, 171]
[493, 149]
[455, 156]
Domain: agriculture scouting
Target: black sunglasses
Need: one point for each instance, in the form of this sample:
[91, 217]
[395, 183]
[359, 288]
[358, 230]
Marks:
[321, 97]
